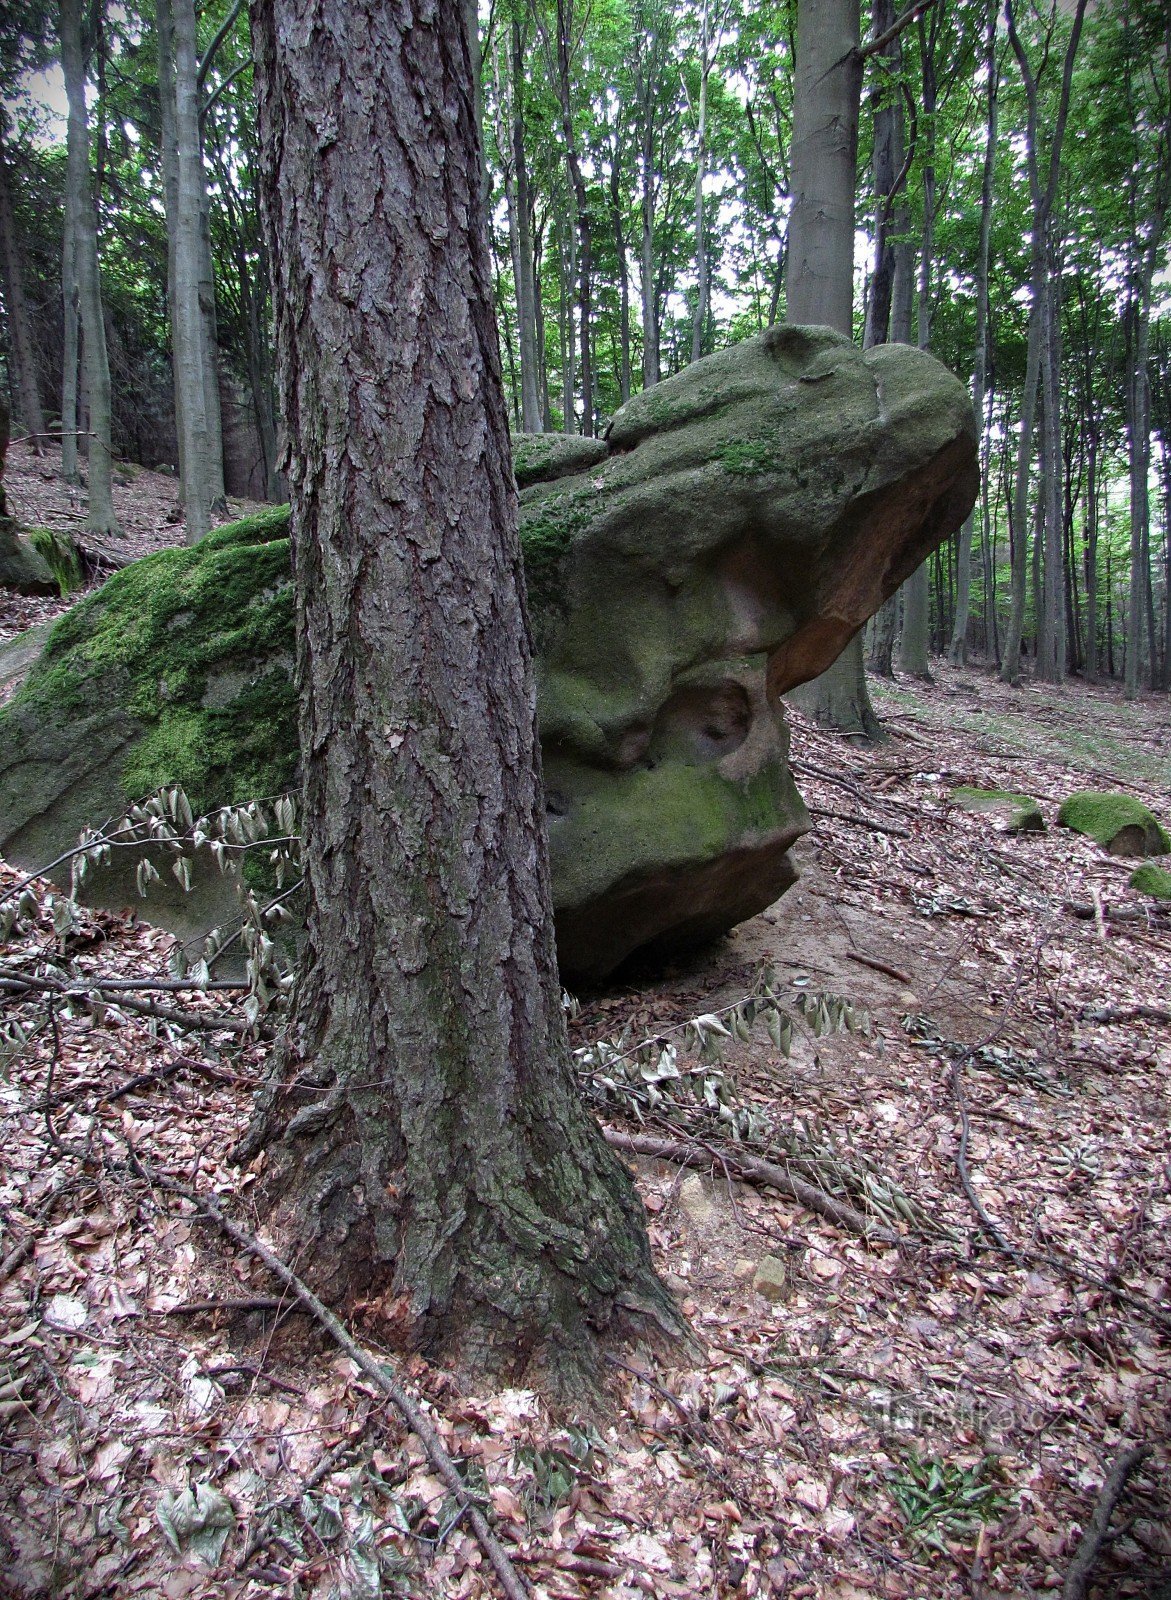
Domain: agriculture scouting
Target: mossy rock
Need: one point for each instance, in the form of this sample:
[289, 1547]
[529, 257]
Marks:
[21, 567]
[1014, 813]
[724, 542]
[1152, 880]
[61, 555]
[1118, 822]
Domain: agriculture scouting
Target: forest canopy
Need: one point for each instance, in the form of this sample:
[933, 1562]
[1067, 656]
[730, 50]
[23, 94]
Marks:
[637, 162]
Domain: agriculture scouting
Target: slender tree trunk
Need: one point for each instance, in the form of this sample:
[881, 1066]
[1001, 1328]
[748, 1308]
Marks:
[427, 1148]
[565, 327]
[915, 644]
[531, 418]
[177, 78]
[650, 318]
[20, 330]
[1052, 644]
[560, 54]
[1140, 608]
[887, 168]
[820, 281]
[71, 340]
[699, 320]
[623, 275]
[102, 519]
[1042, 205]
[958, 647]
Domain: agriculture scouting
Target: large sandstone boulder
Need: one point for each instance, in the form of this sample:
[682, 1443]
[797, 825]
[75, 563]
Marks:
[720, 546]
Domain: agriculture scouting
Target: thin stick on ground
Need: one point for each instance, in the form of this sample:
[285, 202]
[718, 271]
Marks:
[407, 1407]
[1077, 1582]
[754, 1170]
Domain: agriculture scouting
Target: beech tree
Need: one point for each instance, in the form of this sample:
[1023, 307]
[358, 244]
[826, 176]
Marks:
[82, 286]
[425, 1144]
[820, 270]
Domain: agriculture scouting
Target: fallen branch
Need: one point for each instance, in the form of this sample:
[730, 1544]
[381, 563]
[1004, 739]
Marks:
[18, 983]
[1077, 1581]
[1087, 912]
[859, 822]
[375, 1371]
[1125, 1013]
[752, 1169]
[880, 966]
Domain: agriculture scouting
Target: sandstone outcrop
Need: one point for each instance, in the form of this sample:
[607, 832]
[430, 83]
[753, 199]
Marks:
[721, 545]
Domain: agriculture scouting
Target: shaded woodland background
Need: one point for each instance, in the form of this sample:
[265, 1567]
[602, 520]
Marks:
[637, 171]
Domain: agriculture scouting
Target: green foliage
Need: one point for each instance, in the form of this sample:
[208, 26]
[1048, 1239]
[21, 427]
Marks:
[1105, 817]
[940, 1500]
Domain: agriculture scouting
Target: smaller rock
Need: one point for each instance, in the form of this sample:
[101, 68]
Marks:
[744, 1268]
[1152, 880]
[1118, 822]
[1013, 813]
[696, 1201]
[771, 1278]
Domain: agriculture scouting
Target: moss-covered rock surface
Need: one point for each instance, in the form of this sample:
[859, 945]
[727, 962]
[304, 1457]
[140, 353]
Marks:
[740, 522]
[1152, 880]
[1014, 813]
[1118, 822]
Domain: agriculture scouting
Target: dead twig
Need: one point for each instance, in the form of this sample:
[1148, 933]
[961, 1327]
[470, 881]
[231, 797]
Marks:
[752, 1169]
[375, 1371]
[1077, 1580]
[880, 966]
[1125, 1013]
[859, 822]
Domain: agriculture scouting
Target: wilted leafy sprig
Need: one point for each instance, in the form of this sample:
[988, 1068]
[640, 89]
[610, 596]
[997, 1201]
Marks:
[162, 829]
[652, 1080]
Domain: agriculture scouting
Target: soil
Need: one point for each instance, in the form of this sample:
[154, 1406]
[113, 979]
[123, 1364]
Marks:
[919, 1421]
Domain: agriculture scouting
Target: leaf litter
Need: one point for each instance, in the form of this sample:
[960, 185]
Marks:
[929, 1419]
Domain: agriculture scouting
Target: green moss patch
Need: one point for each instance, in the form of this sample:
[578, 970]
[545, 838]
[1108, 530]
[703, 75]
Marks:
[197, 644]
[1118, 822]
[1018, 813]
[1152, 880]
[59, 553]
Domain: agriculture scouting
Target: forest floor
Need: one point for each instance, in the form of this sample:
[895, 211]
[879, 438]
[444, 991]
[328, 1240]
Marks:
[919, 1420]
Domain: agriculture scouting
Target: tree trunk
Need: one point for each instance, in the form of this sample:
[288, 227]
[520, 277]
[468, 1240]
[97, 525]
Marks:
[1042, 204]
[699, 320]
[559, 55]
[70, 340]
[616, 210]
[101, 519]
[958, 648]
[178, 66]
[819, 286]
[1051, 640]
[530, 403]
[915, 644]
[20, 331]
[427, 1147]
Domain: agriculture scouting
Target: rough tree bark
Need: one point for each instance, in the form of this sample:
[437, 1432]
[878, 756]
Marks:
[425, 1142]
[80, 213]
[819, 284]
